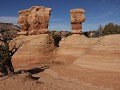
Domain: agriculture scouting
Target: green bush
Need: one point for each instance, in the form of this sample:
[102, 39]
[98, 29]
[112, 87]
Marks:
[111, 29]
[57, 39]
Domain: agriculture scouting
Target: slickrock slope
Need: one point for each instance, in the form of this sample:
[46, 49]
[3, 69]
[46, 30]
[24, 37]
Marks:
[79, 63]
[94, 62]
[75, 44]
[105, 54]
[34, 49]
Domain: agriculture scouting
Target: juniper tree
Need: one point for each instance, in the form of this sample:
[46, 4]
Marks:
[6, 56]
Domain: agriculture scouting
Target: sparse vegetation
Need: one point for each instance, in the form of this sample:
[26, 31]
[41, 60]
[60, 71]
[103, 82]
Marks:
[6, 54]
[56, 38]
[109, 28]
[68, 34]
[8, 31]
[58, 35]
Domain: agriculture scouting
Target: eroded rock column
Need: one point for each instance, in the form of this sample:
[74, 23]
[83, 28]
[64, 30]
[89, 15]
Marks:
[34, 20]
[77, 17]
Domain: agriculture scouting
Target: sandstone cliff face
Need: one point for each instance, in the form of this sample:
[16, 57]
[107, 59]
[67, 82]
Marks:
[77, 17]
[34, 20]
[34, 49]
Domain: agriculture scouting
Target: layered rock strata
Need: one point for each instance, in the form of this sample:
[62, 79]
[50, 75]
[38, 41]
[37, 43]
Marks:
[34, 20]
[77, 17]
[33, 49]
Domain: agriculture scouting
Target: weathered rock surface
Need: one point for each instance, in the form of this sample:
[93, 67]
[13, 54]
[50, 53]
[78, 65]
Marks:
[102, 55]
[77, 17]
[34, 49]
[34, 20]
[95, 61]
[76, 44]
[94, 69]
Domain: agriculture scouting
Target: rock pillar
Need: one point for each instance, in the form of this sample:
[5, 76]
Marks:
[77, 17]
[34, 20]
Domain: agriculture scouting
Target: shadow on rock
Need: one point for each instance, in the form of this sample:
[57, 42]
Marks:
[32, 71]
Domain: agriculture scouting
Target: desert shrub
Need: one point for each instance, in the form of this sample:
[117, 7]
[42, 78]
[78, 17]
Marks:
[111, 29]
[57, 39]
[6, 54]
[68, 34]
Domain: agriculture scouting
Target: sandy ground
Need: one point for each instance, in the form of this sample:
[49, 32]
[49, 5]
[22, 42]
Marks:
[93, 64]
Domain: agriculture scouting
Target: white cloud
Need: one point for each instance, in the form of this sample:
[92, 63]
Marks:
[106, 14]
[102, 15]
[9, 19]
[54, 19]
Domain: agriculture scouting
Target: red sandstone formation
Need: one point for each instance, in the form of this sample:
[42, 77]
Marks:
[77, 17]
[37, 47]
[34, 49]
[34, 20]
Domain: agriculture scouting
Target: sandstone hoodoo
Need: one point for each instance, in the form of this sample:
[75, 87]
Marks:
[77, 17]
[36, 44]
[34, 20]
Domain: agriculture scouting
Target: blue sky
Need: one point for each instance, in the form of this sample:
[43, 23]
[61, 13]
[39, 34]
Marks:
[98, 12]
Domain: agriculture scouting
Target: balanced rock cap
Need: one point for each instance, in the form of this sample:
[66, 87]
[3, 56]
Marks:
[78, 10]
